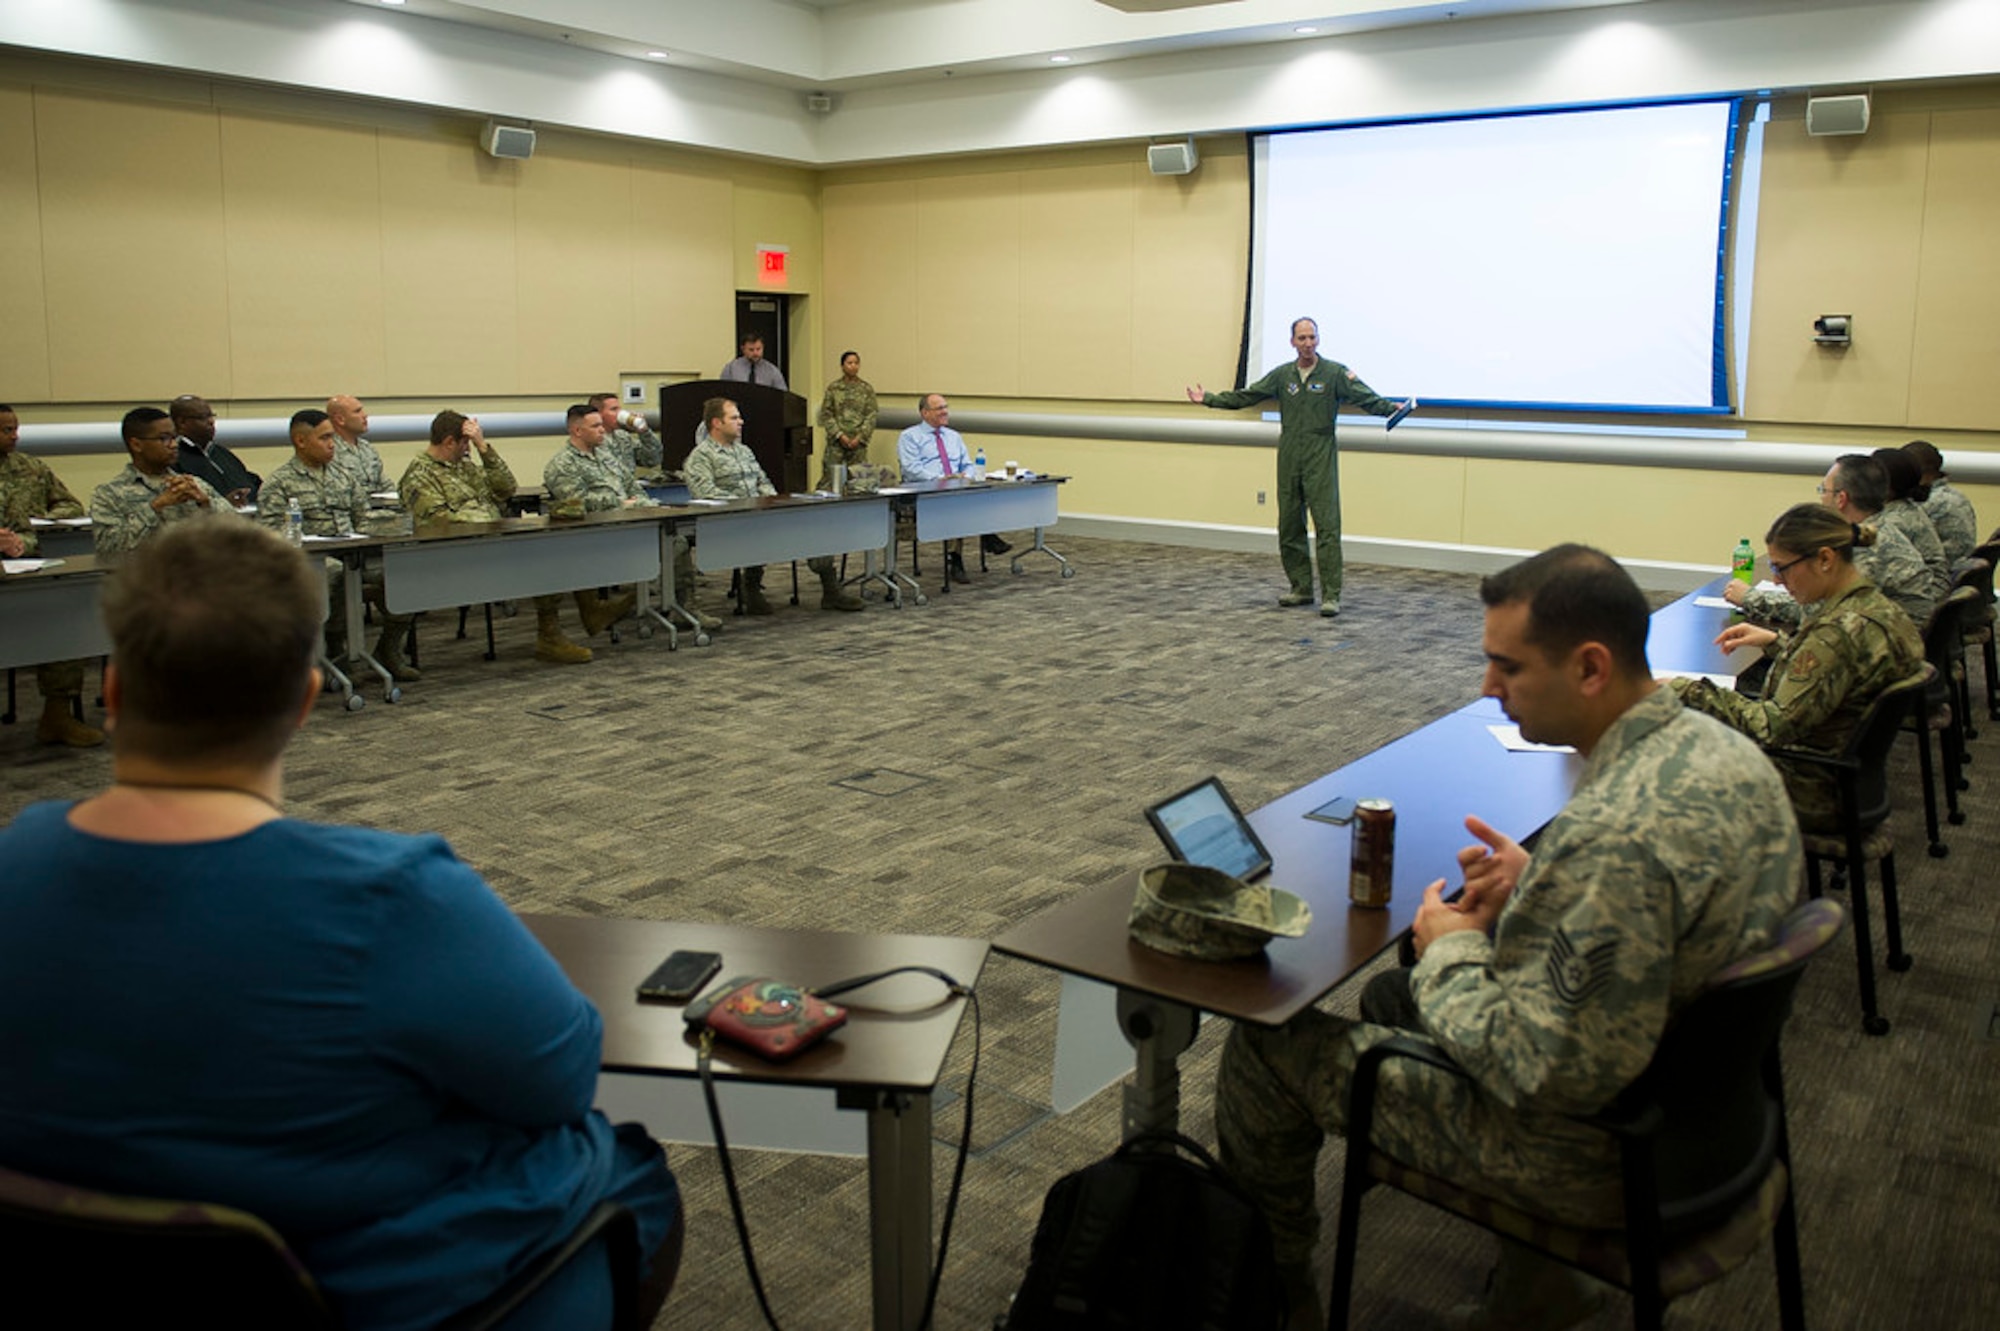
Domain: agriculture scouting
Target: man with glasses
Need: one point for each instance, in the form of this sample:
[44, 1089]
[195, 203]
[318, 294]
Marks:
[1856, 488]
[199, 455]
[149, 493]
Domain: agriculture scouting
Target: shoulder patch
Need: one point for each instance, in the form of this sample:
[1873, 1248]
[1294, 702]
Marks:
[1803, 665]
[1576, 976]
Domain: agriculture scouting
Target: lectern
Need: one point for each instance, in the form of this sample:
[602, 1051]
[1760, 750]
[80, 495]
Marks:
[776, 426]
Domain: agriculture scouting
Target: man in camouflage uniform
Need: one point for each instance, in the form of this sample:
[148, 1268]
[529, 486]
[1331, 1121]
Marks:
[581, 478]
[1857, 487]
[723, 467]
[333, 501]
[29, 490]
[1550, 979]
[444, 484]
[847, 416]
[1906, 515]
[1309, 392]
[199, 455]
[1853, 644]
[1948, 509]
[148, 494]
[351, 451]
[629, 439]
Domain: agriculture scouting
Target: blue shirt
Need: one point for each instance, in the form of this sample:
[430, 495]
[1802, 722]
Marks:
[917, 453]
[341, 1031]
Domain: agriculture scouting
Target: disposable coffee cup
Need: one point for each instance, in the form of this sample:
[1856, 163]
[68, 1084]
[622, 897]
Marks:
[1012, 468]
[840, 478]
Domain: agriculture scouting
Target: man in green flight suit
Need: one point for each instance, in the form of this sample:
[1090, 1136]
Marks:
[1309, 392]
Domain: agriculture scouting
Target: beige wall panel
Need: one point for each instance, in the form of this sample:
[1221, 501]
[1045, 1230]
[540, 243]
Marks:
[1077, 328]
[870, 286]
[450, 302]
[1634, 512]
[780, 212]
[683, 308]
[573, 228]
[133, 249]
[303, 216]
[24, 331]
[1190, 249]
[968, 312]
[1958, 289]
[1401, 496]
[1839, 232]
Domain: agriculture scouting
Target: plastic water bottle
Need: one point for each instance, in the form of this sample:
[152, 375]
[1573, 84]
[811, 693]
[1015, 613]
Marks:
[295, 523]
[979, 464]
[1744, 567]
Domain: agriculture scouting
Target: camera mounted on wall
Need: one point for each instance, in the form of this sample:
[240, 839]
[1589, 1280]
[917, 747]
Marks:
[1833, 330]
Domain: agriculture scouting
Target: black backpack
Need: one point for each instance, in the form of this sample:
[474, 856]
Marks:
[1146, 1238]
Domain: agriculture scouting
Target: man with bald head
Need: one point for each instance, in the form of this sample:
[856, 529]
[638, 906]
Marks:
[201, 457]
[352, 452]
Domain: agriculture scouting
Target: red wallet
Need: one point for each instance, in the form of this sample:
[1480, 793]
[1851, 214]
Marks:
[768, 1017]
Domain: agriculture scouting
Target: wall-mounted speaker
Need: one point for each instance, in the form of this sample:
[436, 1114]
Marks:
[511, 141]
[1172, 159]
[1837, 115]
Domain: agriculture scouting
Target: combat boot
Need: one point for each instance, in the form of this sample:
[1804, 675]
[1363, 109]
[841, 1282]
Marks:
[551, 645]
[597, 615]
[833, 596]
[59, 727]
[1530, 1292]
[753, 593]
[389, 651]
[684, 593]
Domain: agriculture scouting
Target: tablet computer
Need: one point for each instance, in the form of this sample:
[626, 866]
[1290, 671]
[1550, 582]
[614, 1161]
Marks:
[1202, 825]
[1396, 416]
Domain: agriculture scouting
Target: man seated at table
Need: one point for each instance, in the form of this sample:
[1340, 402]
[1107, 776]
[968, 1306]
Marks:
[931, 450]
[1550, 979]
[582, 478]
[351, 449]
[199, 455]
[29, 490]
[723, 467]
[148, 494]
[1944, 504]
[341, 1031]
[333, 501]
[627, 436]
[1857, 486]
[444, 484]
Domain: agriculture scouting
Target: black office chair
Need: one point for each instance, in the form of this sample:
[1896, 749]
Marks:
[1861, 772]
[96, 1259]
[1704, 1150]
[1945, 707]
[1976, 571]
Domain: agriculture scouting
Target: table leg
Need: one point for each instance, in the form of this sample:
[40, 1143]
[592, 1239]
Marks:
[670, 603]
[1159, 1030]
[899, 1201]
[1042, 547]
[357, 629]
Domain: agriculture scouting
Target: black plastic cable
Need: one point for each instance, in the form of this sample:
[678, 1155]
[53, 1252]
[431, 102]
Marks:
[729, 1179]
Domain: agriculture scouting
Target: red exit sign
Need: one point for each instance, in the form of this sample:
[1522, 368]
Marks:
[771, 263]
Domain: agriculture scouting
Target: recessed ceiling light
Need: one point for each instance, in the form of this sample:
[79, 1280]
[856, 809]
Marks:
[656, 55]
[1059, 60]
[1306, 31]
[392, 2]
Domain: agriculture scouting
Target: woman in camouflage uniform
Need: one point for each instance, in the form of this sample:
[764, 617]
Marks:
[1853, 644]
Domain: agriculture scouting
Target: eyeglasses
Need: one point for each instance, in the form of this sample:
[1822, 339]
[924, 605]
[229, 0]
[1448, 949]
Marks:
[157, 438]
[1778, 570]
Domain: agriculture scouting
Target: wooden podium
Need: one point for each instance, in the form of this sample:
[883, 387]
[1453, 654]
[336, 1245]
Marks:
[776, 425]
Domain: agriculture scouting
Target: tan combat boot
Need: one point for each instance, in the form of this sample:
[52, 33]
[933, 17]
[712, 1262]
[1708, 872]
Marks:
[599, 615]
[753, 593]
[684, 593]
[833, 596]
[389, 651]
[551, 645]
[59, 727]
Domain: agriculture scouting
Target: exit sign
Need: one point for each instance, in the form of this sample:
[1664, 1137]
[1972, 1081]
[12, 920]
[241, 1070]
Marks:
[771, 264]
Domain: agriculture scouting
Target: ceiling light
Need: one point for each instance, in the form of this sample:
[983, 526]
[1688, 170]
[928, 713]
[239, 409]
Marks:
[392, 2]
[1059, 60]
[656, 55]
[1306, 31]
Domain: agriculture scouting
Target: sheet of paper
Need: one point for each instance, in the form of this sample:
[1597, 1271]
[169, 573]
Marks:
[1720, 681]
[28, 565]
[1510, 740]
[709, 503]
[1713, 603]
[58, 522]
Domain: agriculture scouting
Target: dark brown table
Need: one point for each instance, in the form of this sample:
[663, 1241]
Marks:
[1434, 776]
[884, 1062]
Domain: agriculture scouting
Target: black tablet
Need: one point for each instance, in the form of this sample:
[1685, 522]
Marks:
[1202, 825]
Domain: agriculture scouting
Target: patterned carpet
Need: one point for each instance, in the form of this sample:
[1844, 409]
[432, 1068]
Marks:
[957, 767]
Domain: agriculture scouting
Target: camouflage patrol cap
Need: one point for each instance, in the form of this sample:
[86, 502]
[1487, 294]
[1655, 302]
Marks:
[1194, 911]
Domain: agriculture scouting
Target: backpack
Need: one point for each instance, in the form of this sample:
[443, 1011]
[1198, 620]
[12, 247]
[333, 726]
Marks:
[1146, 1238]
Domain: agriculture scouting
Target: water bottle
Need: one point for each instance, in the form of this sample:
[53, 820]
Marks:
[1744, 567]
[295, 523]
[979, 464]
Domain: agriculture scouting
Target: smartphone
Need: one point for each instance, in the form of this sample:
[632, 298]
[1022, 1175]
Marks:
[680, 977]
[1339, 811]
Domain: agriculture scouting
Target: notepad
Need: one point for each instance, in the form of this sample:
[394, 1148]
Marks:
[1510, 740]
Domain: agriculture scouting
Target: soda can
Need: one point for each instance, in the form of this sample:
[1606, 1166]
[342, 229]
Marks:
[1372, 871]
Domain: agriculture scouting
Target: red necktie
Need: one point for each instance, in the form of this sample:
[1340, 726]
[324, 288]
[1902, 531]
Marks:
[944, 458]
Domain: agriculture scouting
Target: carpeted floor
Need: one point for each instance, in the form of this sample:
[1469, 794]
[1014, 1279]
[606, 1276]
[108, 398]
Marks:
[957, 767]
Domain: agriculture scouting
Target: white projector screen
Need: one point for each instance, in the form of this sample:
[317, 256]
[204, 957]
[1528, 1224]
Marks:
[1563, 260]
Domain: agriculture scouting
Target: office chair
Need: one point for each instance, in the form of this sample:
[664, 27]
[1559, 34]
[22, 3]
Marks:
[97, 1259]
[1976, 572]
[1704, 1150]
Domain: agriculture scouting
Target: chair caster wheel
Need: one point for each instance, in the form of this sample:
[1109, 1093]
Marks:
[1068, 572]
[645, 632]
[355, 702]
[1016, 567]
[1939, 850]
[923, 599]
[702, 640]
[1901, 961]
[395, 694]
[1875, 1025]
